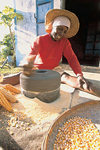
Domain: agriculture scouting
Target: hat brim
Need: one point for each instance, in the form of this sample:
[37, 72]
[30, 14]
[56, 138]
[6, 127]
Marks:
[53, 13]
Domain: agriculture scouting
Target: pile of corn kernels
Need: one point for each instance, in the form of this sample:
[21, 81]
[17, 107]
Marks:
[78, 134]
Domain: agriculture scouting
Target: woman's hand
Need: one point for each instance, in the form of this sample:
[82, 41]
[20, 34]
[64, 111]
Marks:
[27, 64]
[28, 61]
[83, 83]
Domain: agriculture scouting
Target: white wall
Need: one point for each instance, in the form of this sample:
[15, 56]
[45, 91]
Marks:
[25, 29]
[57, 4]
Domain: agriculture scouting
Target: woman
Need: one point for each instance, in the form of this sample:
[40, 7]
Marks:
[47, 50]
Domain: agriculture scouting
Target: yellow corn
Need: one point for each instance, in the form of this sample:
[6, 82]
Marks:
[1, 78]
[4, 102]
[12, 93]
[4, 87]
[12, 89]
[8, 96]
[77, 133]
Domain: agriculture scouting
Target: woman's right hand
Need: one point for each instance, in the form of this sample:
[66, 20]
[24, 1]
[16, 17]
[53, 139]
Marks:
[27, 64]
[28, 61]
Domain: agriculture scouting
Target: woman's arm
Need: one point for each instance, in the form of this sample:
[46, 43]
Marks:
[72, 59]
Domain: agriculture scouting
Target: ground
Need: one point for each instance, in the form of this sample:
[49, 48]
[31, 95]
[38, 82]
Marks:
[27, 126]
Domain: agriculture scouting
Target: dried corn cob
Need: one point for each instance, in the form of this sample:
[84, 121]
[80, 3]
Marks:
[4, 102]
[12, 93]
[1, 78]
[4, 87]
[12, 88]
[78, 133]
[8, 96]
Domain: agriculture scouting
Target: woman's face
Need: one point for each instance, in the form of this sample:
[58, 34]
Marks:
[58, 32]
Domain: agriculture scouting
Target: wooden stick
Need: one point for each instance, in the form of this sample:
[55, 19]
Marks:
[94, 87]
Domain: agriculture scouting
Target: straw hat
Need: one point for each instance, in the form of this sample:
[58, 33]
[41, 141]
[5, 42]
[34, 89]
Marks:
[53, 13]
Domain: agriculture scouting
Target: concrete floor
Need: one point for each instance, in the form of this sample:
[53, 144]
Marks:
[43, 114]
[69, 97]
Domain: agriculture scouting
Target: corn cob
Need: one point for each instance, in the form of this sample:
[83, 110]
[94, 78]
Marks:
[4, 87]
[12, 93]
[8, 96]
[4, 102]
[1, 78]
[13, 89]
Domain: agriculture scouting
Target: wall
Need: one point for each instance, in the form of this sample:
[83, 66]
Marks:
[26, 29]
[57, 3]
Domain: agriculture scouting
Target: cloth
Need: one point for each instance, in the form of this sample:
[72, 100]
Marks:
[61, 20]
[49, 53]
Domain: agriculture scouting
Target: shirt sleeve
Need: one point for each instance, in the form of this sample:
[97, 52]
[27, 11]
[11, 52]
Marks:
[34, 47]
[72, 59]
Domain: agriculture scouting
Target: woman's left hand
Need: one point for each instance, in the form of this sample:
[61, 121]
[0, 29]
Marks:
[83, 83]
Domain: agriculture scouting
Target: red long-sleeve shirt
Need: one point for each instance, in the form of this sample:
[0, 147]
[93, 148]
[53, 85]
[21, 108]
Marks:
[49, 53]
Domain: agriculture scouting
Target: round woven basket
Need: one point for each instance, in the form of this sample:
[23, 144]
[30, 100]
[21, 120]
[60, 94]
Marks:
[89, 110]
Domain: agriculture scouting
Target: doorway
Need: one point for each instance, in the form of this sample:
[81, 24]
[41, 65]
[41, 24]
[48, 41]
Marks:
[42, 7]
[86, 44]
